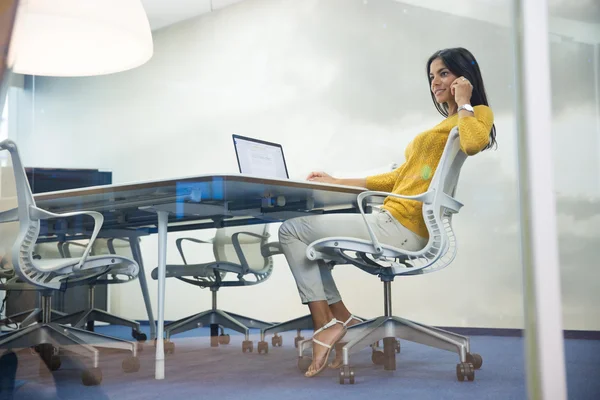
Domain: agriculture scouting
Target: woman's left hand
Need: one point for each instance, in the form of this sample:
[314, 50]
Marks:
[462, 90]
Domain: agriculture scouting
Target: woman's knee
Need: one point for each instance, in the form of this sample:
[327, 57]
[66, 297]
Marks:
[287, 231]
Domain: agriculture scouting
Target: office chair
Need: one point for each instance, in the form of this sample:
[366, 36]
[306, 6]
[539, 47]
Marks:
[28, 317]
[387, 262]
[8, 232]
[49, 275]
[243, 251]
[301, 323]
[87, 316]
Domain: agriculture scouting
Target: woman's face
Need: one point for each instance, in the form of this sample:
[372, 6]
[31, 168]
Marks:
[441, 78]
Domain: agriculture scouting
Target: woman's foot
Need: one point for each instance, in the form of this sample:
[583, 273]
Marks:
[339, 360]
[323, 341]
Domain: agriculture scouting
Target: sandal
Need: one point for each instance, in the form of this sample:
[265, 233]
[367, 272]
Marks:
[339, 345]
[327, 346]
[351, 318]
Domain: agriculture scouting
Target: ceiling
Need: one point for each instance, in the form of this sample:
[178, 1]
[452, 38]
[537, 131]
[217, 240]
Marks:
[567, 16]
[163, 13]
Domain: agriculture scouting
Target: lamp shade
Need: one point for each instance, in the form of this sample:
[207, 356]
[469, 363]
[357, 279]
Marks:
[80, 37]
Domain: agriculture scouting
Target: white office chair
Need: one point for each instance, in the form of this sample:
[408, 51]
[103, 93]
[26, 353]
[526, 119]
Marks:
[387, 262]
[299, 324]
[243, 251]
[8, 232]
[58, 274]
[30, 316]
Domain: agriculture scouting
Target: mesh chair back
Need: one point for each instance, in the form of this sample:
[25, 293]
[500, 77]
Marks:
[224, 250]
[22, 251]
[441, 248]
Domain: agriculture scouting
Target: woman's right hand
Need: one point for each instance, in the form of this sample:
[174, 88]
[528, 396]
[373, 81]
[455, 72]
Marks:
[321, 177]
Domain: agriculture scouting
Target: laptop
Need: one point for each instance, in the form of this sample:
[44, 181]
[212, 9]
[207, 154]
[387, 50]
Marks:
[260, 158]
[8, 12]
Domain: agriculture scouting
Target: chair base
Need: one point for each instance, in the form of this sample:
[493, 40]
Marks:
[49, 339]
[396, 327]
[26, 318]
[86, 318]
[215, 319]
[388, 329]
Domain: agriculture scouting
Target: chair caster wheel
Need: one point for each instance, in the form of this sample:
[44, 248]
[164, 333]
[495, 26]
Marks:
[277, 341]
[91, 377]
[169, 347]
[263, 347]
[53, 363]
[49, 355]
[475, 359]
[304, 363]
[224, 338]
[248, 346]
[297, 340]
[131, 364]
[139, 336]
[465, 370]
[346, 373]
[378, 357]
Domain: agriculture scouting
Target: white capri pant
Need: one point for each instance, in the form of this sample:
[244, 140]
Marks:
[313, 278]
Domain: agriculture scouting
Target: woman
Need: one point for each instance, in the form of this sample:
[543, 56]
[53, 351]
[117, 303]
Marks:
[458, 94]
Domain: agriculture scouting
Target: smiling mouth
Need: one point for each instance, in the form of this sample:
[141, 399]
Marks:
[437, 92]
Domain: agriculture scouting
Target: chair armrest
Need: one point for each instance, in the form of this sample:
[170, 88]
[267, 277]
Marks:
[238, 248]
[271, 249]
[424, 197]
[63, 248]
[111, 246]
[427, 198]
[11, 215]
[36, 213]
[180, 249]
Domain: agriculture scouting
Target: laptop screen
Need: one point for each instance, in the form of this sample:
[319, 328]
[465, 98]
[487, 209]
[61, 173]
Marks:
[259, 158]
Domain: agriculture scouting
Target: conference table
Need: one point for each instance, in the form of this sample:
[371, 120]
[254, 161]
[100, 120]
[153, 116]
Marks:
[131, 210]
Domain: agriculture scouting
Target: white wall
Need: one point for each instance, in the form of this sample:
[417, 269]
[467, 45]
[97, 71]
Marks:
[342, 85]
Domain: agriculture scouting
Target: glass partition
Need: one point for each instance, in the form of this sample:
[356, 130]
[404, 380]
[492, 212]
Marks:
[344, 87]
[574, 49]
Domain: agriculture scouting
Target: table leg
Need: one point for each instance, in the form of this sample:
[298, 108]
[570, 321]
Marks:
[163, 219]
[137, 256]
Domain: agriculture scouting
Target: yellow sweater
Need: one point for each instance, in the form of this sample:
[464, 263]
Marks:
[422, 157]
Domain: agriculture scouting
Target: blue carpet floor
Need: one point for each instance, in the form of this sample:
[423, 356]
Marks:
[197, 371]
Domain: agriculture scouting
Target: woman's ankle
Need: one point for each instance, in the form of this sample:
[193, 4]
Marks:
[320, 312]
[340, 311]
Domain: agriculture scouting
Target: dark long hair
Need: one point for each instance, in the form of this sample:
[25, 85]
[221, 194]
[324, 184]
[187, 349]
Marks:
[461, 62]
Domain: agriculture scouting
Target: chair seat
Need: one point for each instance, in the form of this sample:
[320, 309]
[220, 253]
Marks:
[392, 260]
[328, 245]
[64, 266]
[109, 268]
[205, 270]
